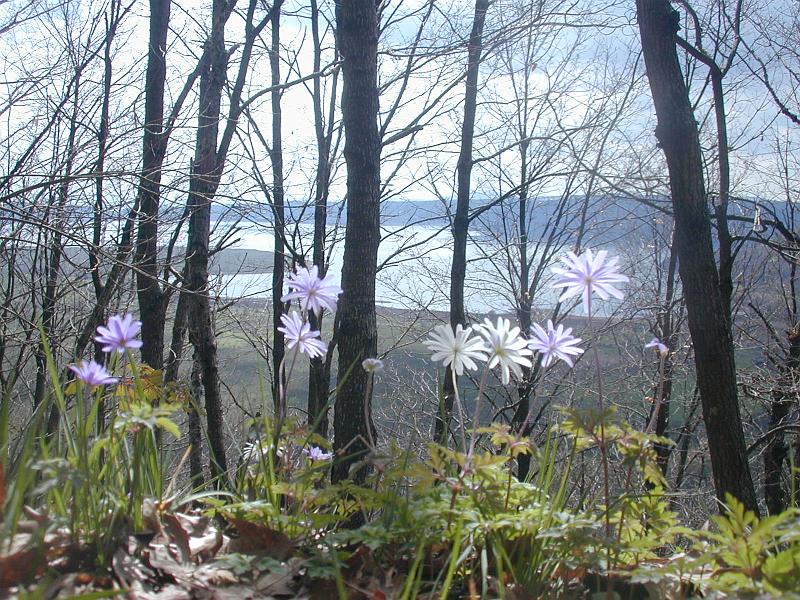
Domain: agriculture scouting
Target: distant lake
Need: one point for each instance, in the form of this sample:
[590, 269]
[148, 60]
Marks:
[415, 275]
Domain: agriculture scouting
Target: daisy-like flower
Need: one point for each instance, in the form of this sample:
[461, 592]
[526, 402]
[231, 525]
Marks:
[92, 374]
[119, 334]
[506, 348]
[314, 293]
[372, 365]
[317, 454]
[660, 348]
[457, 350]
[298, 333]
[554, 344]
[253, 452]
[587, 274]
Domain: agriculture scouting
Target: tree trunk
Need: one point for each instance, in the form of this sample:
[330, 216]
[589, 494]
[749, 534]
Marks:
[203, 183]
[777, 450]
[708, 325]
[193, 426]
[357, 28]
[668, 337]
[319, 369]
[152, 304]
[458, 268]
[279, 251]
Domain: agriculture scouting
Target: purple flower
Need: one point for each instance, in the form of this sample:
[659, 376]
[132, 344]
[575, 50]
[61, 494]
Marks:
[298, 333]
[92, 374]
[589, 273]
[120, 334]
[660, 348]
[314, 293]
[554, 344]
[317, 453]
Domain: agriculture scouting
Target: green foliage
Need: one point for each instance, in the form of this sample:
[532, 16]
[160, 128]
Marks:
[92, 481]
[443, 523]
[749, 554]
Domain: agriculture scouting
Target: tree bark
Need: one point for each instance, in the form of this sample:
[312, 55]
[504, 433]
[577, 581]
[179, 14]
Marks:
[279, 250]
[777, 450]
[152, 300]
[206, 171]
[460, 228]
[357, 30]
[708, 325]
[319, 369]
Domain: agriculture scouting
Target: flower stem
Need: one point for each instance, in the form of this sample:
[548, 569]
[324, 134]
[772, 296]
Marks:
[461, 421]
[476, 418]
[603, 449]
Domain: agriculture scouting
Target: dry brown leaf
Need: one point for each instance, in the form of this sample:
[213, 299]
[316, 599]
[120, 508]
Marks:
[209, 576]
[178, 537]
[206, 547]
[19, 565]
[276, 584]
[258, 539]
[195, 525]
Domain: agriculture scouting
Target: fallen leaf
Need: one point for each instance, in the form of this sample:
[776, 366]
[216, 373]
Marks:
[205, 547]
[258, 539]
[19, 566]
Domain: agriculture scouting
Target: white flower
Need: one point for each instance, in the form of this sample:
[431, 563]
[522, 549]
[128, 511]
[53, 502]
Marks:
[554, 344]
[459, 350]
[253, 452]
[298, 333]
[589, 273]
[316, 453]
[314, 293]
[506, 348]
[660, 348]
[372, 365]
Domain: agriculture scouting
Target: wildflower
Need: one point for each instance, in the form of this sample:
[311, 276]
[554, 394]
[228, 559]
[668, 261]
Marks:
[298, 333]
[372, 365]
[253, 452]
[589, 273]
[92, 374]
[506, 348]
[314, 293]
[317, 453]
[120, 334]
[660, 348]
[457, 350]
[554, 344]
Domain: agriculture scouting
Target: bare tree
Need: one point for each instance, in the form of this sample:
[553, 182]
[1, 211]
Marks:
[709, 326]
[357, 335]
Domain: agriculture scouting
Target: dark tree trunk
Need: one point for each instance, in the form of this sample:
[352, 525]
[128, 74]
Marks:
[204, 181]
[279, 250]
[193, 426]
[357, 30]
[460, 227]
[520, 421]
[152, 300]
[319, 369]
[206, 171]
[179, 323]
[777, 450]
[54, 257]
[708, 325]
[666, 324]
